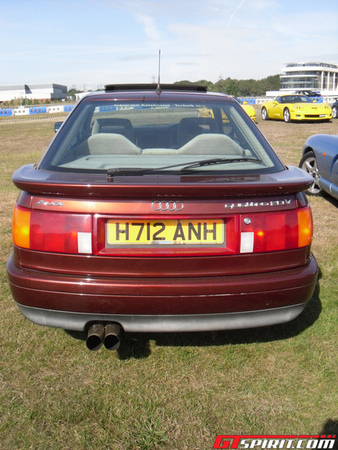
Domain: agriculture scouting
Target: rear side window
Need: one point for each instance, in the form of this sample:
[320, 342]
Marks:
[109, 134]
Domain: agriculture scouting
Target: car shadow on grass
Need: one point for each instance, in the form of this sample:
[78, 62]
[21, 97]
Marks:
[330, 199]
[137, 345]
[330, 428]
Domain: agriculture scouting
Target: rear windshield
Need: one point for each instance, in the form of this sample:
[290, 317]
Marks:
[295, 99]
[159, 136]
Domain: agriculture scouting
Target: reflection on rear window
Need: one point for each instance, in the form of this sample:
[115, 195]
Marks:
[104, 135]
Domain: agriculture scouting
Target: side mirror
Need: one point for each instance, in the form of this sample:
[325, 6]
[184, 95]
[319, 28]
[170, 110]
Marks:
[57, 126]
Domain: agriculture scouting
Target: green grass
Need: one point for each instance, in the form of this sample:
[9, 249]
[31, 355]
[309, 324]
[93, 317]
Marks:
[170, 391]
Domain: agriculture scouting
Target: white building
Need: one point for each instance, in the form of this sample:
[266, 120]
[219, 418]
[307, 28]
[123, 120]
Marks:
[33, 91]
[312, 76]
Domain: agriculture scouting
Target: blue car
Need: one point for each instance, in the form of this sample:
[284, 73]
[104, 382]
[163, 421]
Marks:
[335, 110]
[320, 159]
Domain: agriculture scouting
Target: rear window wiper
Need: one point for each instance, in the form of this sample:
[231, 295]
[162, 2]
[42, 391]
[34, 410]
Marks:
[125, 171]
[216, 161]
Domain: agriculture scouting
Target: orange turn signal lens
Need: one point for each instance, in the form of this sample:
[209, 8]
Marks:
[305, 227]
[21, 227]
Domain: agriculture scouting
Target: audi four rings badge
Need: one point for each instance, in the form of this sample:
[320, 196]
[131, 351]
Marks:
[167, 206]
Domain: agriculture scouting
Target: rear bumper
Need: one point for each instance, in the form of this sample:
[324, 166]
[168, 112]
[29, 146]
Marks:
[163, 304]
[164, 323]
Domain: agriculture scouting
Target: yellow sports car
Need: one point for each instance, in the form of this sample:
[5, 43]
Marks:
[295, 108]
[249, 109]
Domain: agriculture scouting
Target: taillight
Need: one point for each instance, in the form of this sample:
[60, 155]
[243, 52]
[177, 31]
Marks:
[72, 233]
[52, 232]
[273, 231]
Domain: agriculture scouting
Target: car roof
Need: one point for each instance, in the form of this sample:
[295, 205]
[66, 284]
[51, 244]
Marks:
[154, 91]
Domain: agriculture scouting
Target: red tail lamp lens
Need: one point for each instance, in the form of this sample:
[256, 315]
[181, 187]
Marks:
[278, 231]
[52, 232]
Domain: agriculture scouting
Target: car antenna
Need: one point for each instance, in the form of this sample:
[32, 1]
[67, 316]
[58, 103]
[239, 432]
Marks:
[158, 89]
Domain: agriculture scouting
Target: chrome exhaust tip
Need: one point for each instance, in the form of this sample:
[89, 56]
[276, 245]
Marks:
[112, 336]
[95, 337]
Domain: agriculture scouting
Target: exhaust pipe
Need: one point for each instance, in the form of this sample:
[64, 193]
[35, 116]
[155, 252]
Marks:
[111, 336]
[95, 337]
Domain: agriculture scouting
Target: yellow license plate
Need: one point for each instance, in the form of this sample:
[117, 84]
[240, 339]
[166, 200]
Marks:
[165, 232]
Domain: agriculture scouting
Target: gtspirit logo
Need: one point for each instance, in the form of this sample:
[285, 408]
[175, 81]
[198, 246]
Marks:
[272, 441]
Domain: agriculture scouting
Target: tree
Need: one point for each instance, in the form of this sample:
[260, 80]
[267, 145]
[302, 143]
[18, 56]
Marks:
[239, 88]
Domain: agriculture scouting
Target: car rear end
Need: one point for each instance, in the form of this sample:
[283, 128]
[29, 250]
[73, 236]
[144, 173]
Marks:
[145, 214]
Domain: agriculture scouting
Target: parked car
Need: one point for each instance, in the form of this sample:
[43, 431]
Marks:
[249, 109]
[320, 160]
[308, 93]
[295, 108]
[143, 217]
[335, 110]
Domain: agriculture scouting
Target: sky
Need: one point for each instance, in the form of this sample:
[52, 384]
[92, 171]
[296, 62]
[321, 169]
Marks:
[85, 44]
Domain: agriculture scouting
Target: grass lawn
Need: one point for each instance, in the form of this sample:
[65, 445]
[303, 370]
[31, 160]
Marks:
[170, 391]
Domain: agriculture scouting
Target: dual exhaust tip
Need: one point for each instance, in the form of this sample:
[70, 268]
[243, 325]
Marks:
[108, 335]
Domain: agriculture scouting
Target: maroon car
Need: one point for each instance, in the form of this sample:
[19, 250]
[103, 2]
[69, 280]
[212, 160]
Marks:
[160, 210]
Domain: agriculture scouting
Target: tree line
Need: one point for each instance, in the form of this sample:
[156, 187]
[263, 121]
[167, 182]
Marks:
[239, 88]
